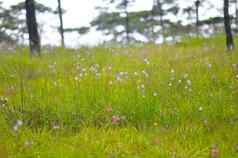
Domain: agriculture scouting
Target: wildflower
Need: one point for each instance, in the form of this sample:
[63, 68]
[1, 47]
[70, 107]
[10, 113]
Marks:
[76, 78]
[156, 141]
[126, 75]
[172, 71]
[172, 78]
[146, 61]
[200, 109]
[170, 84]
[123, 117]
[81, 75]
[155, 124]
[118, 77]
[209, 66]
[214, 77]
[185, 76]
[110, 82]
[142, 86]
[109, 68]
[109, 109]
[205, 121]
[55, 127]
[77, 66]
[84, 69]
[116, 119]
[189, 82]
[236, 147]
[155, 94]
[3, 101]
[214, 151]
[145, 73]
[28, 143]
[136, 73]
[15, 128]
[97, 75]
[237, 77]
[234, 66]
[18, 124]
[179, 81]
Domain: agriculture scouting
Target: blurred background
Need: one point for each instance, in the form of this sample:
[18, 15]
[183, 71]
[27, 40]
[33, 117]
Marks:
[94, 22]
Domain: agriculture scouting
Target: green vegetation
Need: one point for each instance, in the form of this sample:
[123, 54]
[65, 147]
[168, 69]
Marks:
[144, 101]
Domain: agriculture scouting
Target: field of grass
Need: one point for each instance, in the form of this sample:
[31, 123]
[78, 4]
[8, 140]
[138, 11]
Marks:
[143, 101]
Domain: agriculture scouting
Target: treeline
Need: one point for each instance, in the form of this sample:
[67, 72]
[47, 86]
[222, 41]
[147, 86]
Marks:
[19, 22]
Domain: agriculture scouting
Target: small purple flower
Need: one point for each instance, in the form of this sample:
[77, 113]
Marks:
[116, 119]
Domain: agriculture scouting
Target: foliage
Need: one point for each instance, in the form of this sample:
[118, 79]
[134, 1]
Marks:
[13, 21]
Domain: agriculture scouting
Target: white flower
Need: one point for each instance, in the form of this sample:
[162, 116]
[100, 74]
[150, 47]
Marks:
[28, 143]
[189, 82]
[185, 75]
[172, 71]
[145, 73]
[142, 86]
[200, 109]
[146, 61]
[19, 122]
[126, 75]
[17, 125]
[56, 127]
[209, 66]
[118, 77]
[155, 94]
[15, 128]
[76, 78]
[170, 84]
[97, 75]
[84, 69]
[136, 73]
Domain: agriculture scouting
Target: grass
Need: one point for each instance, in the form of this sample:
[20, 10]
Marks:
[143, 101]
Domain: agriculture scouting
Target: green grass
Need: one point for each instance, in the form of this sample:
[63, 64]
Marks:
[137, 102]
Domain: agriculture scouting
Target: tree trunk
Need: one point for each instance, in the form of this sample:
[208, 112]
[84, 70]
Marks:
[34, 38]
[127, 22]
[227, 23]
[197, 4]
[61, 23]
[160, 10]
[236, 18]
[153, 14]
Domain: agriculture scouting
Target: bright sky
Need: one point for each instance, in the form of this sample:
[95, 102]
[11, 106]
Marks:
[80, 13]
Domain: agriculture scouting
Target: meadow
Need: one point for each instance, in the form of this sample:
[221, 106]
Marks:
[140, 101]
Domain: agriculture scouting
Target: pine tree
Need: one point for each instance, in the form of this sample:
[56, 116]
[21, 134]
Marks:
[34, 38]
[61, 23]
[227, 22]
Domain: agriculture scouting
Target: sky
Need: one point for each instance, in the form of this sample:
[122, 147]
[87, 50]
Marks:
[81, 12]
